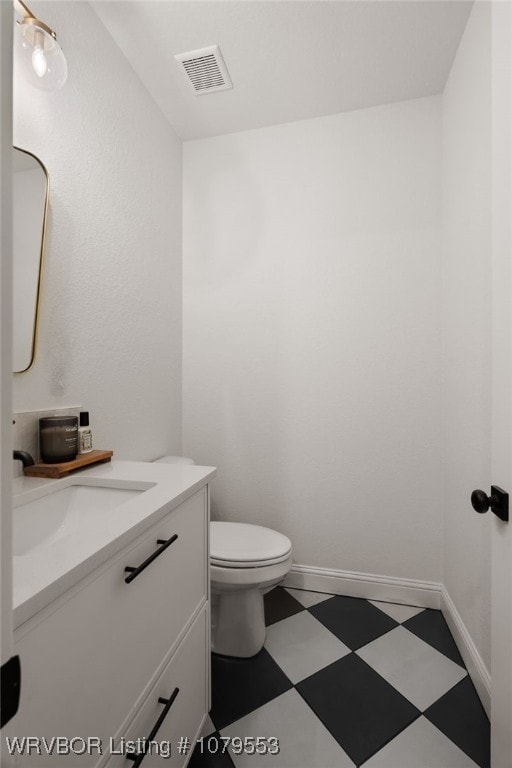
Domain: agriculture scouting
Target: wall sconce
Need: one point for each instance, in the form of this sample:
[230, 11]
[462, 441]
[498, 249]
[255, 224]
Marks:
[41, 58]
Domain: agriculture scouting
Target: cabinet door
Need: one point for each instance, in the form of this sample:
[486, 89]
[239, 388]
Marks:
[86, 665]
[184, 685]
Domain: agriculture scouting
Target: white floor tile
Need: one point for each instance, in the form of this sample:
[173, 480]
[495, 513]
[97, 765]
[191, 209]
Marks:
[301, 645]
[304, 741]
[421, 745]
[396, 611]
[413, 667]
[306, 598]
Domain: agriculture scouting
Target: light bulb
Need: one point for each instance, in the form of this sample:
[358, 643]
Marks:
[39, 61]
[39, 55]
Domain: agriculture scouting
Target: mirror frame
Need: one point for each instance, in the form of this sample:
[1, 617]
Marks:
[41, 261]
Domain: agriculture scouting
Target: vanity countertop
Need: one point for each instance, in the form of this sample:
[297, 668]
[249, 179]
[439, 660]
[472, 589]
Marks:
[47, 571]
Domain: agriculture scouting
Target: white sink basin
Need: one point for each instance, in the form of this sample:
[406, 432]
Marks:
[62, 512]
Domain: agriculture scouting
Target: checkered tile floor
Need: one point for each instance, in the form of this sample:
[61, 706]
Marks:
[345, 682]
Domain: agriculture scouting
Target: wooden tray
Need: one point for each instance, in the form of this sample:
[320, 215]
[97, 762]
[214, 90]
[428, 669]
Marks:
[61, 470]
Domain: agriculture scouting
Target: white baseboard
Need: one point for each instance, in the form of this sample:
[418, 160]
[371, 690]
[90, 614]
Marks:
[370, 586]
[424, 594]
[478, 672]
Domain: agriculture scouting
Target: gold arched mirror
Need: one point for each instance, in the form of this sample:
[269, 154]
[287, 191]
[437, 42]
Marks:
[30, 210]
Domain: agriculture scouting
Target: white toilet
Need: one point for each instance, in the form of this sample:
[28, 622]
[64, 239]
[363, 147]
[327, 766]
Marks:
[246, 561]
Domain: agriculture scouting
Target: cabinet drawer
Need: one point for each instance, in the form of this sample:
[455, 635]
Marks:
[85, 665]
[185, 681]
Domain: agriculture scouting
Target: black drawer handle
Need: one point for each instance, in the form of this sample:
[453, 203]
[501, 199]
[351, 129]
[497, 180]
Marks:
[168, 704]
[134, 572]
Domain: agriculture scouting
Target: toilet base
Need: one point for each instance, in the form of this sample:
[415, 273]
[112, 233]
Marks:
[237, 613]
[238, 623]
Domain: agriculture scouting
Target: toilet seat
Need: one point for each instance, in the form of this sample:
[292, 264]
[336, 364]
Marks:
[241, 545]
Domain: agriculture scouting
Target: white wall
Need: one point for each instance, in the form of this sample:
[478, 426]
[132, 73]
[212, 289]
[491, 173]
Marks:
[110, 333]
[467, 320]
[312, 367]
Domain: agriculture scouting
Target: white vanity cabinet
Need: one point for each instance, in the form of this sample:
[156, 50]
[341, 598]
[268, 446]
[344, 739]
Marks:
[96, 661]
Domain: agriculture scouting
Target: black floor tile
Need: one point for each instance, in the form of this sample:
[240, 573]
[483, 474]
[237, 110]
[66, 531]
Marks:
[460, 716]
[241, 685]
[430, 626]
[355, 622]
[210, 754]
[279, 604]
[361, 710]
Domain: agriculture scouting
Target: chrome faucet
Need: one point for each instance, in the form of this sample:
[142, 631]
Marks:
[25, 458]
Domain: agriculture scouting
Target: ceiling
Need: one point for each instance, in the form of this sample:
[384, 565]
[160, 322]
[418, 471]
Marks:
[288, 59]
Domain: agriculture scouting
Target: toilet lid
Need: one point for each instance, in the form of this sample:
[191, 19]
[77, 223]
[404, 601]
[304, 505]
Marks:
[243, 545]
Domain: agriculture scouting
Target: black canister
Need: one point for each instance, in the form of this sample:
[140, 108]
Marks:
[58, 438]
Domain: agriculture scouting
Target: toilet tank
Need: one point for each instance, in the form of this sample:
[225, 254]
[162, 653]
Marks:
[174, 460]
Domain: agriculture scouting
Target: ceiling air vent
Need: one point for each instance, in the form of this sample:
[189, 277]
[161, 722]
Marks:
[205, 70]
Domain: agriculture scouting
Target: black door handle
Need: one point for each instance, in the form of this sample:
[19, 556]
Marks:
[134, 572]
[497, 501]
[138, 758]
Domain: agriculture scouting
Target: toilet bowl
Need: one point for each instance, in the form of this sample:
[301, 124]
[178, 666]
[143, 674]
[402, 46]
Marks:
[246, 561]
